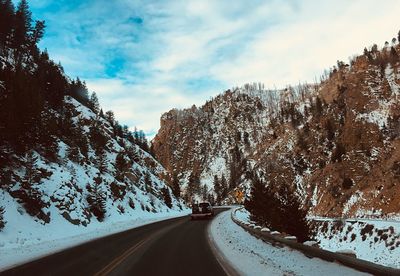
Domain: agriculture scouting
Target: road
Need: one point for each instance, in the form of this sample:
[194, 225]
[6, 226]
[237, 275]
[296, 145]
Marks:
[172, 247]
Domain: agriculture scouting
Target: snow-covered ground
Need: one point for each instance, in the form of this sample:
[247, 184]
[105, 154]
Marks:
[36, 240]
[376, 241]
[373, 240]
[70, 190]
[251, 256]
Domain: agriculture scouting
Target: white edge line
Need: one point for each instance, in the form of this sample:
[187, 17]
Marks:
[226, 265]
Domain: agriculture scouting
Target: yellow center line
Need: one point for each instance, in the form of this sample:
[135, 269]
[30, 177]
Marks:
[111, 266]
[117, 261]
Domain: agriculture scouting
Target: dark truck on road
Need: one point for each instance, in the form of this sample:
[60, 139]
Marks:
[202, 210]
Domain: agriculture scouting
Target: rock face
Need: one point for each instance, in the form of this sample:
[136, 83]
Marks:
[335, 143]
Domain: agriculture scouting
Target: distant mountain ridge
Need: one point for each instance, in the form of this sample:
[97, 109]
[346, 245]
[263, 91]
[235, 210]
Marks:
[335, 143]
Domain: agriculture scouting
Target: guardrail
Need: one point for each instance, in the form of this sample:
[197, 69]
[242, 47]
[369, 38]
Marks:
[309, 251]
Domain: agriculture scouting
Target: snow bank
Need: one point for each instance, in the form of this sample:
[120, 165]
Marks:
[376, 241]
[251, 256]
[27, 240]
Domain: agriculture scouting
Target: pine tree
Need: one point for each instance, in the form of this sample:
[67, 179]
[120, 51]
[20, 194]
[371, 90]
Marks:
[23, 27]
[94, 103]
[73, 154]
[97, 201]
[224, 187]
[6, 22]
[260, 201]
[193, 185]
[2, 221]
[29, 194]
[121, 166]
[295, 221]
[167, 197]
[102, 161]
[110, 117]
[217, 189]
[37, 33]
[148, 184]
[176, 189]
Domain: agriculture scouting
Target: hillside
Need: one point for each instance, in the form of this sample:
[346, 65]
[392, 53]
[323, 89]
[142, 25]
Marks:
[68, 169]
[335, 143]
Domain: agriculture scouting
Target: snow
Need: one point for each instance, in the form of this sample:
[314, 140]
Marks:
[243, 215]
[347, 251]
[352, 200]
[380, 115]
[384, 252]
[251, 256]
[380, 245]
[25, 239]
[310, 243]
[70, 220]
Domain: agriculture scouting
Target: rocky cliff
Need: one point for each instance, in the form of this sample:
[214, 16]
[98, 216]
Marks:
[336, 143]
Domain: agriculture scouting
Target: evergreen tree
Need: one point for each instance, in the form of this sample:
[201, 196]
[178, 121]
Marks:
[94, 103]
[148, 184]
[295, 221]
[29, 194]
[167, 197]
[217, 189]
[2, 221]
[193, 185]
[121, 166]
[97, 201]
[102, 161]
[73, 154]
[110, 117]
[6, 23]
[23, 26]
[176, 189]
[97, 138]
[279, 210]
[224, 187]
[37, 33]
[398, 36]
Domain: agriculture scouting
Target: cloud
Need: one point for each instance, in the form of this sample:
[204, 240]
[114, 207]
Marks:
[146, 57]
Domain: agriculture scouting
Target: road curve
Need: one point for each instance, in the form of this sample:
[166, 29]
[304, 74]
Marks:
[171, 247]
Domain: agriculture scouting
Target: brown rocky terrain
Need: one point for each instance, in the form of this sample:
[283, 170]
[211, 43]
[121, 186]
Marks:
[336, 143]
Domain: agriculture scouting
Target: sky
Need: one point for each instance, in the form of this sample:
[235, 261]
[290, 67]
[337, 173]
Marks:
[145, 57]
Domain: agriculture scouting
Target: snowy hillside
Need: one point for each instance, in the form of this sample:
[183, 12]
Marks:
[77, 194]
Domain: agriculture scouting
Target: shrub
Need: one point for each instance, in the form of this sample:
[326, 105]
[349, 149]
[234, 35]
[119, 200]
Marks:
[338, 153]
[131, 203]
[121, 209]
[347, 183]
[117, 190]
[367, 229]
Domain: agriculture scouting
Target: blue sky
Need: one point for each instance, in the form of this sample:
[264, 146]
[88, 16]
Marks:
[145, 57]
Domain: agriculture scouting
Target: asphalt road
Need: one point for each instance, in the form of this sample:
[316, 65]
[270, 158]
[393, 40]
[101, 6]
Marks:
[172, 247]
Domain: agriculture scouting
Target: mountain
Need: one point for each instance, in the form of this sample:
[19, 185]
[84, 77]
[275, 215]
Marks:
[64, 162]
[334, 143]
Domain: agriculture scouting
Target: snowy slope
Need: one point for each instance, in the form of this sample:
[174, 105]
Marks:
[66, 186]
[376, 241]
[251, 256]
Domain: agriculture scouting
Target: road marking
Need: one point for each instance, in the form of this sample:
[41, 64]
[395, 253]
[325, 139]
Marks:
[111, 266]
[226, 266]
[117, 261]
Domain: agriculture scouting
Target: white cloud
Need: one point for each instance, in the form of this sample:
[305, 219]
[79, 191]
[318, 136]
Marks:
[186, 51]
